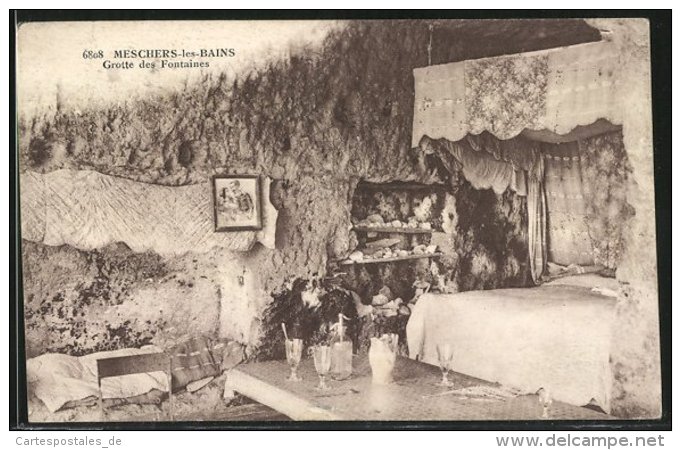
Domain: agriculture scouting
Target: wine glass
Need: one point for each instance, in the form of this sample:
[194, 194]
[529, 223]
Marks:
[294, 350]
[322, 363]
[545, 400]
[445, 353]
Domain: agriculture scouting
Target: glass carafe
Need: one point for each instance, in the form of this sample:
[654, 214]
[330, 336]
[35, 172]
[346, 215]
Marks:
[341, 356]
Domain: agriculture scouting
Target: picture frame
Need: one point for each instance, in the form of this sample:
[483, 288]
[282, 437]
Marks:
[237, 204]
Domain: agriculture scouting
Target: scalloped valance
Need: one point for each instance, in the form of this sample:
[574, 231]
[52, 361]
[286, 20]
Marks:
[555, 90]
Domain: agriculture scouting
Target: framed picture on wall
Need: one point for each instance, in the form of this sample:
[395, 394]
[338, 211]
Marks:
[236, 202]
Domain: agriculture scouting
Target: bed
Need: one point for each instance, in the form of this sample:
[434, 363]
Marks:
[556, 336]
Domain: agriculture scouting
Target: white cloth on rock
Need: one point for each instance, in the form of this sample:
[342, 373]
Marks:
[88, 210]
[57, 379]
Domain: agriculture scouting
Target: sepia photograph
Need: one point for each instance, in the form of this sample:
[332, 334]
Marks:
[394, 221]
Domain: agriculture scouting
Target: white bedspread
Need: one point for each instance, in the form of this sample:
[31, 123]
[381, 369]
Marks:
[556, 337]
[57, 379]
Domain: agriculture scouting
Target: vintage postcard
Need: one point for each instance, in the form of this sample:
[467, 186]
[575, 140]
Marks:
[340, 220]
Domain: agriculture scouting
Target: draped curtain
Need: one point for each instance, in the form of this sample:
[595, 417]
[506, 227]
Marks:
[489, 163]
[480, 168]
[479, 108]
[567, 230]
[575, 191]
[605, 168]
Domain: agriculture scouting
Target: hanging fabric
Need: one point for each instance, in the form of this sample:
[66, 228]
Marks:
[485, 172]
[482, 168]
[604, 168]
[536, 224]
[555, 90]
[568, 234]
[89, 210]
[519, 152]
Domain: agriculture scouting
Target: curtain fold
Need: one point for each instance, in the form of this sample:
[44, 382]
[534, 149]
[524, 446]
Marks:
[536, 225]
[519, 152]
[486, 164]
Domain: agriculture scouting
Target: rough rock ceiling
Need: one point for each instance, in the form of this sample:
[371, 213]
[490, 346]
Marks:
[474, 39]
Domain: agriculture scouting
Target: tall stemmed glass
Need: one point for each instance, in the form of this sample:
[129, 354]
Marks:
[322, 363]
[545, 400]
[445, 354]
[294, 351]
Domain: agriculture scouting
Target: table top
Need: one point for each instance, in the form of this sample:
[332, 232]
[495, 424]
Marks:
[414, 395]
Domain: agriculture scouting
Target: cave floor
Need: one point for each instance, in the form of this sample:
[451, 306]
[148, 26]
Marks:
[206, 404]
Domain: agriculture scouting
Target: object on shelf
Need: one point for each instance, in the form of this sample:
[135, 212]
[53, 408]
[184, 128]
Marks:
[376, 222]
[374, 218]
[385, 260]
[401, 186]
[356, 256]
[386, 249]
[381, 244]
[371, 231]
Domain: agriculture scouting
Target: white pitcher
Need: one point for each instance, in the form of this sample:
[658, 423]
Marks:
[382, 355]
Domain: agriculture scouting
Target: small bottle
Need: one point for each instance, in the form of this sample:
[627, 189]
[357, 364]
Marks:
[341, 352]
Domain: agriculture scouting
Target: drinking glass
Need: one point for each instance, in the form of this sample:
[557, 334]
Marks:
[545, 400]
[341, 360]
[382, 356]
[322, 363]
[445, 353]
[294, 350]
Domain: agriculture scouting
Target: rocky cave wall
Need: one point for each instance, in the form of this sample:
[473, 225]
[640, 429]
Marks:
[635, 357]
[317, 123]
[491, 239]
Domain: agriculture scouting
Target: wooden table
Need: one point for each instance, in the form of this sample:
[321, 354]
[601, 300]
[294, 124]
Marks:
[414, 395]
